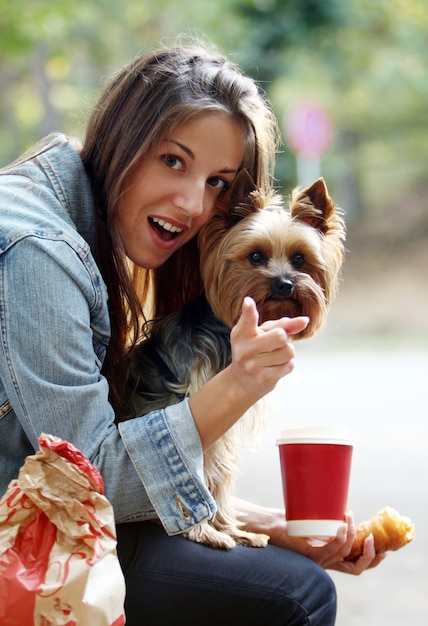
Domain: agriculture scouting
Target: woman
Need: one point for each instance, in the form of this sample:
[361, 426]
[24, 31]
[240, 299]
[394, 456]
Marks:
[167, 136]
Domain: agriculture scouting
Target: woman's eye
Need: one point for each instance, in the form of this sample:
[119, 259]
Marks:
[218, 183]
[256, 258]
[174, 162]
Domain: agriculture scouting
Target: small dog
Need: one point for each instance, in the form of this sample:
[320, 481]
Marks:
[289, 262]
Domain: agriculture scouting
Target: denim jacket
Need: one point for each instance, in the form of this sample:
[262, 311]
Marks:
[54, 333]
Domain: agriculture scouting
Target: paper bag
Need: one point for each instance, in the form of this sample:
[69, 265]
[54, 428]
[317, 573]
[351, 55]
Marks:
[58, 560]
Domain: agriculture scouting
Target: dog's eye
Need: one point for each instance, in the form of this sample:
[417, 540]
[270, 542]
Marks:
[297, 261]
[256, 258]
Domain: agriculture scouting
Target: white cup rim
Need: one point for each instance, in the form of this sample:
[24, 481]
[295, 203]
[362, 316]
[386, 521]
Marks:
[329, 433]
[313, 528]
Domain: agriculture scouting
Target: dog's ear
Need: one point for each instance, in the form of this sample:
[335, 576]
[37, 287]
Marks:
[241, 187]
[313, 206]
[239, 200]
[231, 207]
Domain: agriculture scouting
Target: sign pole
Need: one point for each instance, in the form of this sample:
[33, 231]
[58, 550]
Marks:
[309, 132]
[308, 170]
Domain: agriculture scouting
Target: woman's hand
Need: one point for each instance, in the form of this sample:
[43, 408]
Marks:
[262, 355]
[331, 555]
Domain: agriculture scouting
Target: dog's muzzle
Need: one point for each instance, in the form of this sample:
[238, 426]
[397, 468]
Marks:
[283, 287]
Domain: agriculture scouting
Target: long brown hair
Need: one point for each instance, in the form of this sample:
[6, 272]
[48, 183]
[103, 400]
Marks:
[144, 101]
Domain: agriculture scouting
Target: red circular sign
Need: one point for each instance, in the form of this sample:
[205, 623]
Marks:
[308, 128]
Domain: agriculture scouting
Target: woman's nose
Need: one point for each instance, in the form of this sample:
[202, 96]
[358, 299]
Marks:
[190, 198]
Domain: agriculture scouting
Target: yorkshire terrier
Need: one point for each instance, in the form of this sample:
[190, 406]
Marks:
[289, 262]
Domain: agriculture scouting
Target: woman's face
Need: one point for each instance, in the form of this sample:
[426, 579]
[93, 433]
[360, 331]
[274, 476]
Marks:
[173, 191]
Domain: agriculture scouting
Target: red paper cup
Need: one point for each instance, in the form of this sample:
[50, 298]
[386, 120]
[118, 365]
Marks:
[315, 468]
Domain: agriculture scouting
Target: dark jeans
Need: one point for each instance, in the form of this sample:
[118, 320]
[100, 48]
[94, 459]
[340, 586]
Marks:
[172, 581]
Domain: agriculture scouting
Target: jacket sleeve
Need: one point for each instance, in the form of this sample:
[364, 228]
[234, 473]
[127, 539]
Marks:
[54, 331]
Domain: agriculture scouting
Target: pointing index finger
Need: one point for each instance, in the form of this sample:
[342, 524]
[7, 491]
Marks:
[249, 320]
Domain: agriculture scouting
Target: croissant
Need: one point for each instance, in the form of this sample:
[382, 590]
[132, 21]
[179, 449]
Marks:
[391, 531]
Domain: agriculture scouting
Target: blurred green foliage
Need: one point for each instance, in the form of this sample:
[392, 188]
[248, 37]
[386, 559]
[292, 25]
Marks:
[364, 61]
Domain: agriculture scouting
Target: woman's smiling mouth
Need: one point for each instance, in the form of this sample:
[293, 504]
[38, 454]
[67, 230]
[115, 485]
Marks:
[166, 230]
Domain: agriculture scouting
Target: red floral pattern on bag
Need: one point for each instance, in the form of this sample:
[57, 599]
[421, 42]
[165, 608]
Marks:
[58, 561]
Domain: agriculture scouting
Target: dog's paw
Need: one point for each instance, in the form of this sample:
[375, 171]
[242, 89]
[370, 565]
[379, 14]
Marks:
[206, 534]
[255, 540]
[227, 538]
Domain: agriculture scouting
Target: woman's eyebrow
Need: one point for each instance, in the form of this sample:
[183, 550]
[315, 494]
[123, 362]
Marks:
[188, 151]
[185, 149]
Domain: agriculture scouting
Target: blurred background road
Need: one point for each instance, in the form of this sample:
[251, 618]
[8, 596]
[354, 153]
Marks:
[382, 395]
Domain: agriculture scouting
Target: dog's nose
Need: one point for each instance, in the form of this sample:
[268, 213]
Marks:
[283, 287]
